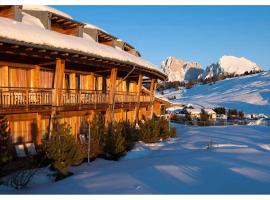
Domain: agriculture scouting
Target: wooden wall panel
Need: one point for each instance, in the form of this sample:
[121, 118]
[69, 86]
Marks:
[18, 77]
[4, 76]
[35, 77]
[22, 131]
[46, 79]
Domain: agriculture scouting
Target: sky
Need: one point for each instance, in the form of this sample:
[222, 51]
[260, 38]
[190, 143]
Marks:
[192, 33]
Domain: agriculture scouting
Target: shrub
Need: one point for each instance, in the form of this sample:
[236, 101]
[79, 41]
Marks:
[5, 141]
[115, 142]
[97, 134]
[220, 110]
[149, 131]
[163, 125]
[21, 178]
[62, 149]
[130, 135]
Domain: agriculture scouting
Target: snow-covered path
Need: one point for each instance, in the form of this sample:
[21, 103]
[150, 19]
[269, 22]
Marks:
[239, 164]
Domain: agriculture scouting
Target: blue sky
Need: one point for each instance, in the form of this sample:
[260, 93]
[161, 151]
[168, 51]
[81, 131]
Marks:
[192, 33]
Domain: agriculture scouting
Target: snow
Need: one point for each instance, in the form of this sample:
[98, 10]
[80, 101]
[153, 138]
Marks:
[46, 8]
[28, 19]
[230, 65]
[209, 111]
[32, 33]
[250, 94]
[194, 110]
[91, 26]
[238, 164]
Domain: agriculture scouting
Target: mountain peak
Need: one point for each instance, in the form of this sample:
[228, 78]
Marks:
[181, 70]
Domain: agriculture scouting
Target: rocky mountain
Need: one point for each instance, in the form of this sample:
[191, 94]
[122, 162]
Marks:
[180, 70]
[230, 65]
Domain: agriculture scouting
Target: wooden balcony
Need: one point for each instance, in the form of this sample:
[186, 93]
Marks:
[17, 100]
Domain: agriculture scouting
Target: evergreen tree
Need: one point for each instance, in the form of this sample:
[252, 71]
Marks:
[115, 142]
[62, 148]
[5, 141]
[97, 134]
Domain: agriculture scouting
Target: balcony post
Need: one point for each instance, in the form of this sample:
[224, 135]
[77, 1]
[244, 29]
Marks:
[152, 96]
[57, 88]
[34, 77]
[4, 83]
[58, 82]
[91, 81]
[139, 90]
[112, 88]
[39, 131]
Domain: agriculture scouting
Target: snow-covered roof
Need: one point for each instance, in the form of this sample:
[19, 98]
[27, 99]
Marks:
[209, 111]
[30, 32]
[173, 108]
[91, 26]
[28, 19]
[45, 8]
[194, 110]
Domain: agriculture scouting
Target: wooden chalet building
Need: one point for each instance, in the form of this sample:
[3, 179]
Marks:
[51, 63]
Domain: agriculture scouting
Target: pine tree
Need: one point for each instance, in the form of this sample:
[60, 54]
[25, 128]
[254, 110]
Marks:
[115, 142]
[97, 134]
[62, 148]
[5, 141]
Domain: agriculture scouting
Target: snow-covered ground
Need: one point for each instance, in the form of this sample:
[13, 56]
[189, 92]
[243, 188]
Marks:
[248, 93]
[238, 164]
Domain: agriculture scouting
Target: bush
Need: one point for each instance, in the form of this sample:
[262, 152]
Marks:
[97, 134]
[62, 149]
[130, 134]
[149, 131]
[21, 178]
[5, 141]
[153, 130]
[220, 110]
[163, 125]
[115, 142]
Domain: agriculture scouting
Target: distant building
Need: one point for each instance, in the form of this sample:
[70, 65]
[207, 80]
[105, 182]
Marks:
[210, 113]
[194, 113]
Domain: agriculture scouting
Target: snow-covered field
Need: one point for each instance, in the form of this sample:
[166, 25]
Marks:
[239, 163]
[248, 93]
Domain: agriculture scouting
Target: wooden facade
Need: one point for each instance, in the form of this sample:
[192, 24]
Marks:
[37, 81]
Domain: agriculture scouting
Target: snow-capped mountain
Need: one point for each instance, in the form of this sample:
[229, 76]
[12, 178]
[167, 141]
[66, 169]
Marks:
[231, 65]
[180, 70]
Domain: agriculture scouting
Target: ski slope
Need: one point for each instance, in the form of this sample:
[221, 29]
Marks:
[238, 164]
[248, 93]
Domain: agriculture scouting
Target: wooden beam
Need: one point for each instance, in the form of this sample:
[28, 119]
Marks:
[29, 49]
[14, 64]
[139, 90]
[112, 88]
[152, 96]
[58, 81]
[47, 63]
[42, 50]
[3, 76]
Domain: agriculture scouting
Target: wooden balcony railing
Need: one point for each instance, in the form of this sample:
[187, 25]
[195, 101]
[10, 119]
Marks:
[11, 97]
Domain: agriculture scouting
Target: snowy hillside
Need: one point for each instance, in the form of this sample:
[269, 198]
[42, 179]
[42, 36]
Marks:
[180, 70]
[238, 164]
[248, 93]
[231, 65]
